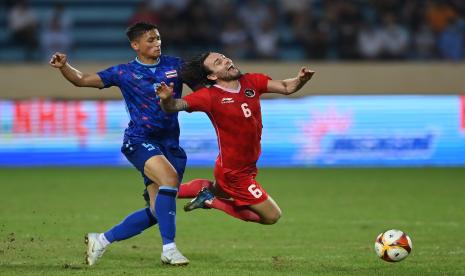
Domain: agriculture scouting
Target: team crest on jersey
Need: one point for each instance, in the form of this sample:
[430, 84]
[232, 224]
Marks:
[249, 93]
[171, 74]
[227, 100]
[155, 86]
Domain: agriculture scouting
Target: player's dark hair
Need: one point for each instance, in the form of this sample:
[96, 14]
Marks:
[194, 72]
[138, 29]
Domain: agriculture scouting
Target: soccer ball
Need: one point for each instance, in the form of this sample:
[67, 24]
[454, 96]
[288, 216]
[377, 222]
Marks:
[393, 245]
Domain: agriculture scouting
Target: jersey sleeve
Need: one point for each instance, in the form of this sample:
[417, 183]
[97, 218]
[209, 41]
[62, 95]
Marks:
[199, 100]
[110, 76]
[260, 81]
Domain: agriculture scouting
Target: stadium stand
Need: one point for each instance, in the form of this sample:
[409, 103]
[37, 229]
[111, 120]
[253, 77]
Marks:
[98, 33]
[264, 29]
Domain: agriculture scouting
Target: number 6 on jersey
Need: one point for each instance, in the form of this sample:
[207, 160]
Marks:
[246, 110]
[255, 191]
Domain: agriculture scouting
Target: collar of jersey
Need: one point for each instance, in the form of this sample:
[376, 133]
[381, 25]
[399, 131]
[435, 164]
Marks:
[229, 90]
[147, 65]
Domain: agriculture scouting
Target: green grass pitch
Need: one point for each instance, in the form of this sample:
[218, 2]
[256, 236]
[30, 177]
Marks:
[331, 218]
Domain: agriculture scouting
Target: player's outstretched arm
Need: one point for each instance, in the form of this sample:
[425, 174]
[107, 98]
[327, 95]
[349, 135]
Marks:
[290, 86]
[167, 102]
[73, 75]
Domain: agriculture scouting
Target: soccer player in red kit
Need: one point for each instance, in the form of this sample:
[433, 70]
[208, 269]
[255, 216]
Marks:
[232, 102]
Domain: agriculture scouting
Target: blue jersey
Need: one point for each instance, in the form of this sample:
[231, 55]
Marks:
[137, 83]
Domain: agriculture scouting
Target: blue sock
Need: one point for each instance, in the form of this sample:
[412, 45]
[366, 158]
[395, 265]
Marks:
[132, 225]
[165, 209]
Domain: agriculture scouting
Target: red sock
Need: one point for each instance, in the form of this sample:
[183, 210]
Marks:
[193, 187]
[227, 206]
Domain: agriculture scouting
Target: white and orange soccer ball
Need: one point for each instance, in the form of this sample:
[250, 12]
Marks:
[393, 245]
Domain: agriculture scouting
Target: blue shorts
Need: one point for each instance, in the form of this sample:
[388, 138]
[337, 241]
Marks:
[138, 152]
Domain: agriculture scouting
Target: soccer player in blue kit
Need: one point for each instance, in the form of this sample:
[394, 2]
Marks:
[151, 140]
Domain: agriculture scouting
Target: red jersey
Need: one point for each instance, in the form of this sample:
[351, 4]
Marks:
[237, 118]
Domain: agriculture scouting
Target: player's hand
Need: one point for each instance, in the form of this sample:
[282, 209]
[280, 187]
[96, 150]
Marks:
[164, 91]
[58, 60]
[305, 74]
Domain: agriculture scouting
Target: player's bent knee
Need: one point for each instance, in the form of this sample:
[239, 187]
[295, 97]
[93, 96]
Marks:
[167, 178]
[170, 181]
[269, 221]
[272, 218]
[276, 218]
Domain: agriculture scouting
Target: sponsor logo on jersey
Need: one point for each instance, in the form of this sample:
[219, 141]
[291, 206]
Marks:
[249, 93]
[227, 100]
[171, 74]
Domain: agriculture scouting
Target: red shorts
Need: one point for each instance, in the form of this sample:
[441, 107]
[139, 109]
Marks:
[240, 185]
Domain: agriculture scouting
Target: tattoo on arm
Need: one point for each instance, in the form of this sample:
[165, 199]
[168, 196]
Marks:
[180, 104]
[174, 105]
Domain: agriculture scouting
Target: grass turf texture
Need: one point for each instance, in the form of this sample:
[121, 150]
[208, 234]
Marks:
[331, 218]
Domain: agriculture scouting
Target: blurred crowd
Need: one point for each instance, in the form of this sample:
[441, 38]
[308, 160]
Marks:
[281, 29]
[39, 39]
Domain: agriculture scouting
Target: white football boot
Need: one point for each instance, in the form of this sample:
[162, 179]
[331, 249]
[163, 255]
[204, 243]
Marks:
[173, 257]
[95, 248]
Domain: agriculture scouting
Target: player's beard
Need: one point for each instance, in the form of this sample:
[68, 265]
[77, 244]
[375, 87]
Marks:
[230, 77]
